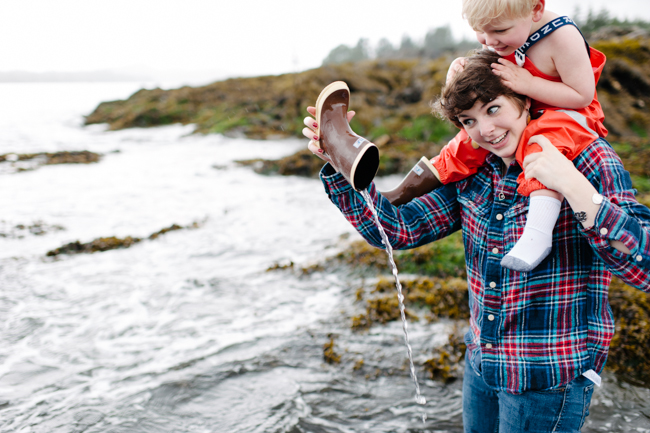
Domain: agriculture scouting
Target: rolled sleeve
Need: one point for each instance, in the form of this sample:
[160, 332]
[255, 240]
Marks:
[620, 218]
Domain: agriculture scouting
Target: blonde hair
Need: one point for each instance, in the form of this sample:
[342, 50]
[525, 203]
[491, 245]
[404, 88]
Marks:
[479, 13]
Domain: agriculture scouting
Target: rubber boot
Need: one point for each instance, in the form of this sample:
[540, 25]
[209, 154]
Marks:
[421, 180]
[356, 158]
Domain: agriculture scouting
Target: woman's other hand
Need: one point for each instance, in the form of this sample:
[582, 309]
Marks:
[550, 166]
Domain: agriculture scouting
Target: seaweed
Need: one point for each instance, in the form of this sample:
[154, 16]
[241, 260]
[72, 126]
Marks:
[111, 242]
[329, 354]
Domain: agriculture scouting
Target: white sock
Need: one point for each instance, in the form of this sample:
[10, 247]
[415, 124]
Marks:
[536, 241]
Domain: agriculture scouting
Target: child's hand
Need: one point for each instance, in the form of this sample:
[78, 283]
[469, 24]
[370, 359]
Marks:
[456, 66]
[516, 78]
[311, 132]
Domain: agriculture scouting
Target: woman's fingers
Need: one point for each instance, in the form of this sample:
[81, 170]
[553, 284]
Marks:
[316, 150]
[309, 134]
[310, 123]
[313, 147]
[530, 159]
[543, 142]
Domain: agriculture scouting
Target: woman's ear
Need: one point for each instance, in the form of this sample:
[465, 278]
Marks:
[538, 10]
[528, 103]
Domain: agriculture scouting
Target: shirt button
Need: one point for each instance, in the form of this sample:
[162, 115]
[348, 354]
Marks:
[488, 346]
[502, 196]
[493, 284]
[495, 250]
[491, 318]
[639, 258]
[603, 231]
[499, 217]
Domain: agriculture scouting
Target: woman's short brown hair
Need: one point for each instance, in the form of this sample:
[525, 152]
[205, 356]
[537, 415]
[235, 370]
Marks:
[476, 82]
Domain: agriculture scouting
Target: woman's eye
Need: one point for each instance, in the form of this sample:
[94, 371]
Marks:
[467, 122]
[493, 109]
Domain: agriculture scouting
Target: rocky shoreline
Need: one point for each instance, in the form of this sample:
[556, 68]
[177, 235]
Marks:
[391, 98]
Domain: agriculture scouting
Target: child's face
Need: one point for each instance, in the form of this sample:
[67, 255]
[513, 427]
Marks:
[505, 35]
[496, 126]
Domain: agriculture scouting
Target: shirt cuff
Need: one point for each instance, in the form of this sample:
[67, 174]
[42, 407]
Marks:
[611, 223]
[333, 181]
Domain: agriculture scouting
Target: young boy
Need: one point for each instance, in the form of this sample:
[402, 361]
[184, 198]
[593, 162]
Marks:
[545, 57]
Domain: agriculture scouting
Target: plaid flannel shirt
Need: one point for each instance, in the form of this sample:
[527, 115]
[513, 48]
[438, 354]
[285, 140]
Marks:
[528, 331]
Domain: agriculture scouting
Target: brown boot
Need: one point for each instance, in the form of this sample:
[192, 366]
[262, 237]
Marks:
[420, 180]
[353, 156]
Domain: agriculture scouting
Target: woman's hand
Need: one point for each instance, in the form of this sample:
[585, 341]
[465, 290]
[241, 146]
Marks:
[549, 166]
[516, 78]
[311, 132]
[456, 66]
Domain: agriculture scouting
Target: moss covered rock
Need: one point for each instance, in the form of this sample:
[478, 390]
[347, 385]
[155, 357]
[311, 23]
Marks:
[111, 243]
[629, 351]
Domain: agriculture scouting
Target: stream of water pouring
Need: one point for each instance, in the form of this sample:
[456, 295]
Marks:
[419, 398]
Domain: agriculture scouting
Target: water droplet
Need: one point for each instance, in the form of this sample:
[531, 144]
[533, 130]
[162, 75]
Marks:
[419, 399]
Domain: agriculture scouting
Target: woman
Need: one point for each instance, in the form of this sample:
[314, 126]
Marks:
[537, 341]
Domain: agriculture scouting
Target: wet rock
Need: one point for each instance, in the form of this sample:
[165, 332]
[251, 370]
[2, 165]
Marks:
[112, 242]
[19, 231]
[12, 162]
[435, 297]
[97, 245]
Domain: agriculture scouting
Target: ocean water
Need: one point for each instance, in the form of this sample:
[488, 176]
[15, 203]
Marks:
[189, 332]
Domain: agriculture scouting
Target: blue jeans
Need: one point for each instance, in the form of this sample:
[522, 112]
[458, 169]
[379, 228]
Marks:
[559, 410]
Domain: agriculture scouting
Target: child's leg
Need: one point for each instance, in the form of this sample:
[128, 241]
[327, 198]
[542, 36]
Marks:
[456, 161]
[536, 241]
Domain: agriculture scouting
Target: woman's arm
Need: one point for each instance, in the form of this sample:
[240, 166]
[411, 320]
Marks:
[416, 223]
[419, 222]
[618, 228]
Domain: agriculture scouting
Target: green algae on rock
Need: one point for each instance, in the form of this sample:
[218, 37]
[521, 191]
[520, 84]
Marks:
[111, 243]
[435, 297]
[443, 258]
[31, 161]
[63, 157]
[629, 351]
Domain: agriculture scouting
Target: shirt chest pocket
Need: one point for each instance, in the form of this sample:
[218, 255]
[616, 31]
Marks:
[515, 220]
[475, 211]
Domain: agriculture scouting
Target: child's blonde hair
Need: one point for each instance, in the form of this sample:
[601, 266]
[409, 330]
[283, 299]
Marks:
[479, 13]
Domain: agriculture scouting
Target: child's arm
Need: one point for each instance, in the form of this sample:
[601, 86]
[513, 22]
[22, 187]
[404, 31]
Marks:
[569, 58]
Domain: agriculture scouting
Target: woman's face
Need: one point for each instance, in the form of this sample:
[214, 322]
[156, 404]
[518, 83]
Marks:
[496, 126]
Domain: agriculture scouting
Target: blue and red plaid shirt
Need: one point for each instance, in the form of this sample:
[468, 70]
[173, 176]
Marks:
[536, 330]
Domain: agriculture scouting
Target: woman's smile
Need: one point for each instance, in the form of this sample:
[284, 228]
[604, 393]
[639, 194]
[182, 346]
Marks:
[499, 141]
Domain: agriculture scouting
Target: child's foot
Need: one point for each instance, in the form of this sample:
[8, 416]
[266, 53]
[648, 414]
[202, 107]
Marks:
[536, 241]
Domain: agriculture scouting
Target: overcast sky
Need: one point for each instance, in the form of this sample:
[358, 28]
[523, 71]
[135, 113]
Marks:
[227, 37]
